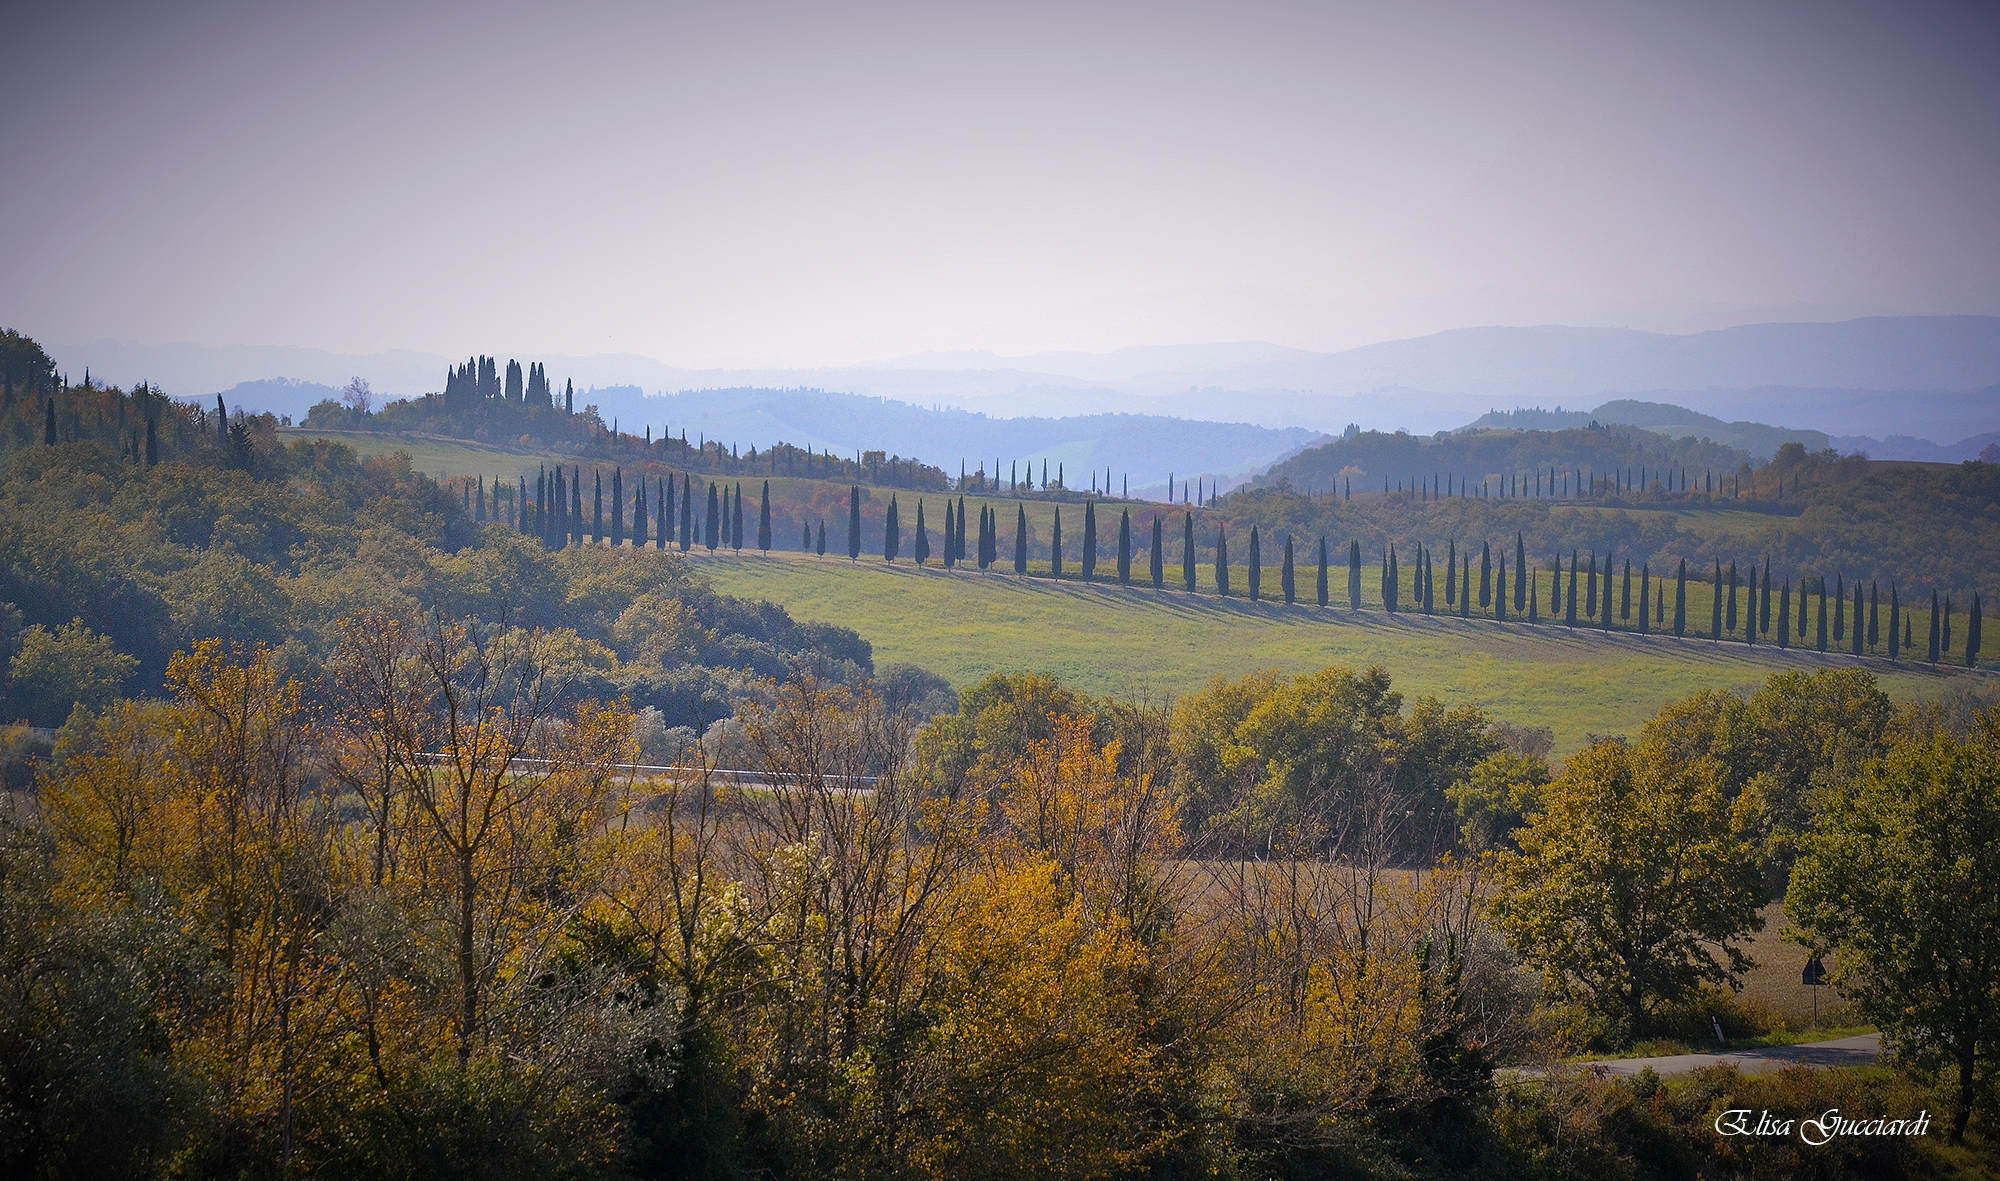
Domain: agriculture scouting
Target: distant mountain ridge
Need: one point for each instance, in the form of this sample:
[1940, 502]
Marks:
[1933, 377]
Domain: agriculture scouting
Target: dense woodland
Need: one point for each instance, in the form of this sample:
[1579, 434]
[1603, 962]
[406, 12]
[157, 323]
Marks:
[382, 834]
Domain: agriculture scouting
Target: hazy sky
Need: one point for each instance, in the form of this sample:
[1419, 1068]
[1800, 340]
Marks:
[780, 183]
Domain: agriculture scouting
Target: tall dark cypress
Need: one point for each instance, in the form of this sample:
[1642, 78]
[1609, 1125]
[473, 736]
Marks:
[1839, 607]
[1055, 545]
[1450, 571]
[1020, 539]
[989, 535]
[961, 527]
[1645, 595]
[1256, 565]
[1556, 585]
[1590, 588]
[1569, 600]
[221, 421]
[687, 511]
[1428, 594]
[1764, 603]
[1288, 576]
[1485, 575]
[617, 506]
[920, 545]
[1392, 581]
[1625, 600]
[663, 512]
[1089, 540]
[1534, 588]
[1856, 641]
[1500, 589]
[1874, 614]
[1972, 637]
[1931, 654]
[1221, 562]
[1159, 554]
[892, 532]
[1124, 547]
[1681, 599]
[1715, 605]
[1187, 550]
[764, 519]
[1354, 575]
[819, 543]
[1465, 595]
[950, 552]
[576, 507]
[1520, 566]
[639, 513]
[597, 507]
[854, 522]
[736, 519]
[711, 533]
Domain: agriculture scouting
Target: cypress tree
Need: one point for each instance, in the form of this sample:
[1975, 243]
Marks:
[1944, 645]
[819, 546]
[1089, 540]
[687, 511]
[1256, 565]
[1972, 623]
[1764, 607]
[1354, 575]
[853, 522]
[1931, 655]
[1730, 624]
[1534, 581]
[764, 519]
[1187, 549]
[1430, 583]
[221, 422]
[1908, 619]
[1055, 543]
[1715, 605]
[617, 506]
[1124, 547]
[639, 513]
[1819, 635]
[1590, 588]
[1625, 600]
[806, 538]
[663, 512]
[1681, 599]
[948, 539]
[1450, 571]
[920, 545]
[1392, 582]
[1500, 586]
[1520, 566]
[597, 507]
[1322, 588]
[1465, 599]
[1485, 575]
[1569, 600]
[712, 524]
[1856, 640]
[1020, 539]
[1221, 562]
[892, 533]
[1159, 556]
[736, 519]
[1874, 614]
[1895, 622]
[1839, 608]
[1645, 594]
[989, 532]
[576, 507]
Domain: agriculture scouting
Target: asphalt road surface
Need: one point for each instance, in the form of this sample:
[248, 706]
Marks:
[1847, 1051]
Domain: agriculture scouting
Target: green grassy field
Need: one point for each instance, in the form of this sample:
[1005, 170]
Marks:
[434, 456]
[1144, 643]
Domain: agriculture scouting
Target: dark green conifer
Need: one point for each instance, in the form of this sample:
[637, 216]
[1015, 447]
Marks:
[1354, 575]
[1020, 539]
[1322, 588]
[1520, 566]
[892, 533]
[1895, 622]
[949, 550]
[1500, 589]
[1465, 581]
[819, 544]
[920, 545]
[597, 507]
[854, 522]
[1819, 638]
[1764, 606]
[1430, 580]
[1256, 565]
[764, 519]
[1535, 583]
[1645, 594]
[1089, 540]
[1124, 547]
[1874, 614]
[1187, 550]
[1485, 575]
[1450, 571]
[639, 513]
[712, 524]
[1159, 555]
[736, 519]
[576, 507]
[1569, 600]
[1221, 562]
[1287, 577]
[1055, 542]
[1839, 608]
